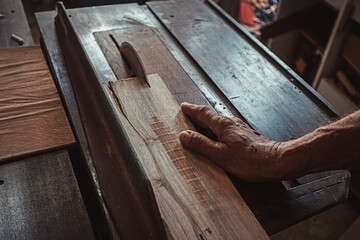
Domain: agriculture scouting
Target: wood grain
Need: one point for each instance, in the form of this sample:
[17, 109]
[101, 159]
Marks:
[196, 199]
[156, 54]
[31, 115]
[262, 93]
[126, 189]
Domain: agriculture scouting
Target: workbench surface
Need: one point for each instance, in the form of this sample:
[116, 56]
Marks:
[297, 109]
[14, 22]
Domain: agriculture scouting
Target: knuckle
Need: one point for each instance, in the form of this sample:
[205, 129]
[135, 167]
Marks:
[204, 109]
[195, 140]
[192, 138]
[226, 121]
[238, 120]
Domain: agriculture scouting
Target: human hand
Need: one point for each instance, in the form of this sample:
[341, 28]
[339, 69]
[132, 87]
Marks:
[240, 150]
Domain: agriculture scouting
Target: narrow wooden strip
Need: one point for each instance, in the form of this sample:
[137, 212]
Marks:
[196, 199]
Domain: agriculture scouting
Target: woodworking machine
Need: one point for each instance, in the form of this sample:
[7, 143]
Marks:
[204, 57]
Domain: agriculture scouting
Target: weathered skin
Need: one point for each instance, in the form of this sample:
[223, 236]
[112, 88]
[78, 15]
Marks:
[248, 155]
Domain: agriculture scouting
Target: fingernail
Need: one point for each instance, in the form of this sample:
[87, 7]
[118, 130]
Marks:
[184, 135]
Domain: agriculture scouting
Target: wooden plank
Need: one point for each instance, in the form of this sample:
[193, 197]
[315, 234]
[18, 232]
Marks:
[271, 203]
[195, 198]
[50, 43]
[40, 199]
[125, 187]
[277, 209]
[271, 103]
[13, 22]
[31, 115]
[164, 64]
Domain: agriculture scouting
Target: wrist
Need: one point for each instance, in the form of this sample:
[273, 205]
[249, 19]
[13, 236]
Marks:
[274, 166]
[282, 164]
[292, 160]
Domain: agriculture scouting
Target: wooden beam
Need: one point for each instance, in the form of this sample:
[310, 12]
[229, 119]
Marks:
[196, 199]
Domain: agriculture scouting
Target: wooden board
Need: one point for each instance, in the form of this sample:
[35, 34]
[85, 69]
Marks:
[40, 199]
[125, 187]
[196, 199]
[32, 118]
[163, 63]
[265, 96]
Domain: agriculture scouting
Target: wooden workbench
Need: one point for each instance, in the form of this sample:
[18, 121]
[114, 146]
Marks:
[297, 109]
[39, 194]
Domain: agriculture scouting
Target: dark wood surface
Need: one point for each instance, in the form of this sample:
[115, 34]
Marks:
[108, 191]
[14, 22]
[268, 199]
[50, 44]
[125, 187]
[188, 175]
[195, 197]
[156, 53]
[278, 207]
[32, 118]
[262, 93]
[40, 199]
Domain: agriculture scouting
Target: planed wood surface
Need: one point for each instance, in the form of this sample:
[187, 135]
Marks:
[155, 53]
[196, 199]
[32, 118]
[271, 103]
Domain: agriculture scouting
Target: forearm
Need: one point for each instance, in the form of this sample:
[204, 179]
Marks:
[335, 146]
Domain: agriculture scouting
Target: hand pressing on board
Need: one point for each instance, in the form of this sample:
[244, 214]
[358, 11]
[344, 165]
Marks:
[247, 154]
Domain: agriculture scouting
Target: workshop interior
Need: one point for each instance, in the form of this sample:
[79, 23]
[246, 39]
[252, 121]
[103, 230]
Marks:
[90, 116]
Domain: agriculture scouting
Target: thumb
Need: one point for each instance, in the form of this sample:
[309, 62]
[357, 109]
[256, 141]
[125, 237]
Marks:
[200, 143]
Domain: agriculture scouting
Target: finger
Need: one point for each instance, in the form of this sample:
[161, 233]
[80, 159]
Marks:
[201, 144]
[189, 110]
[204, 116]
[239, 121]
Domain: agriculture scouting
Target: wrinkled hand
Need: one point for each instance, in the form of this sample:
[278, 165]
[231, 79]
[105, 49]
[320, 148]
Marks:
[239, 150]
